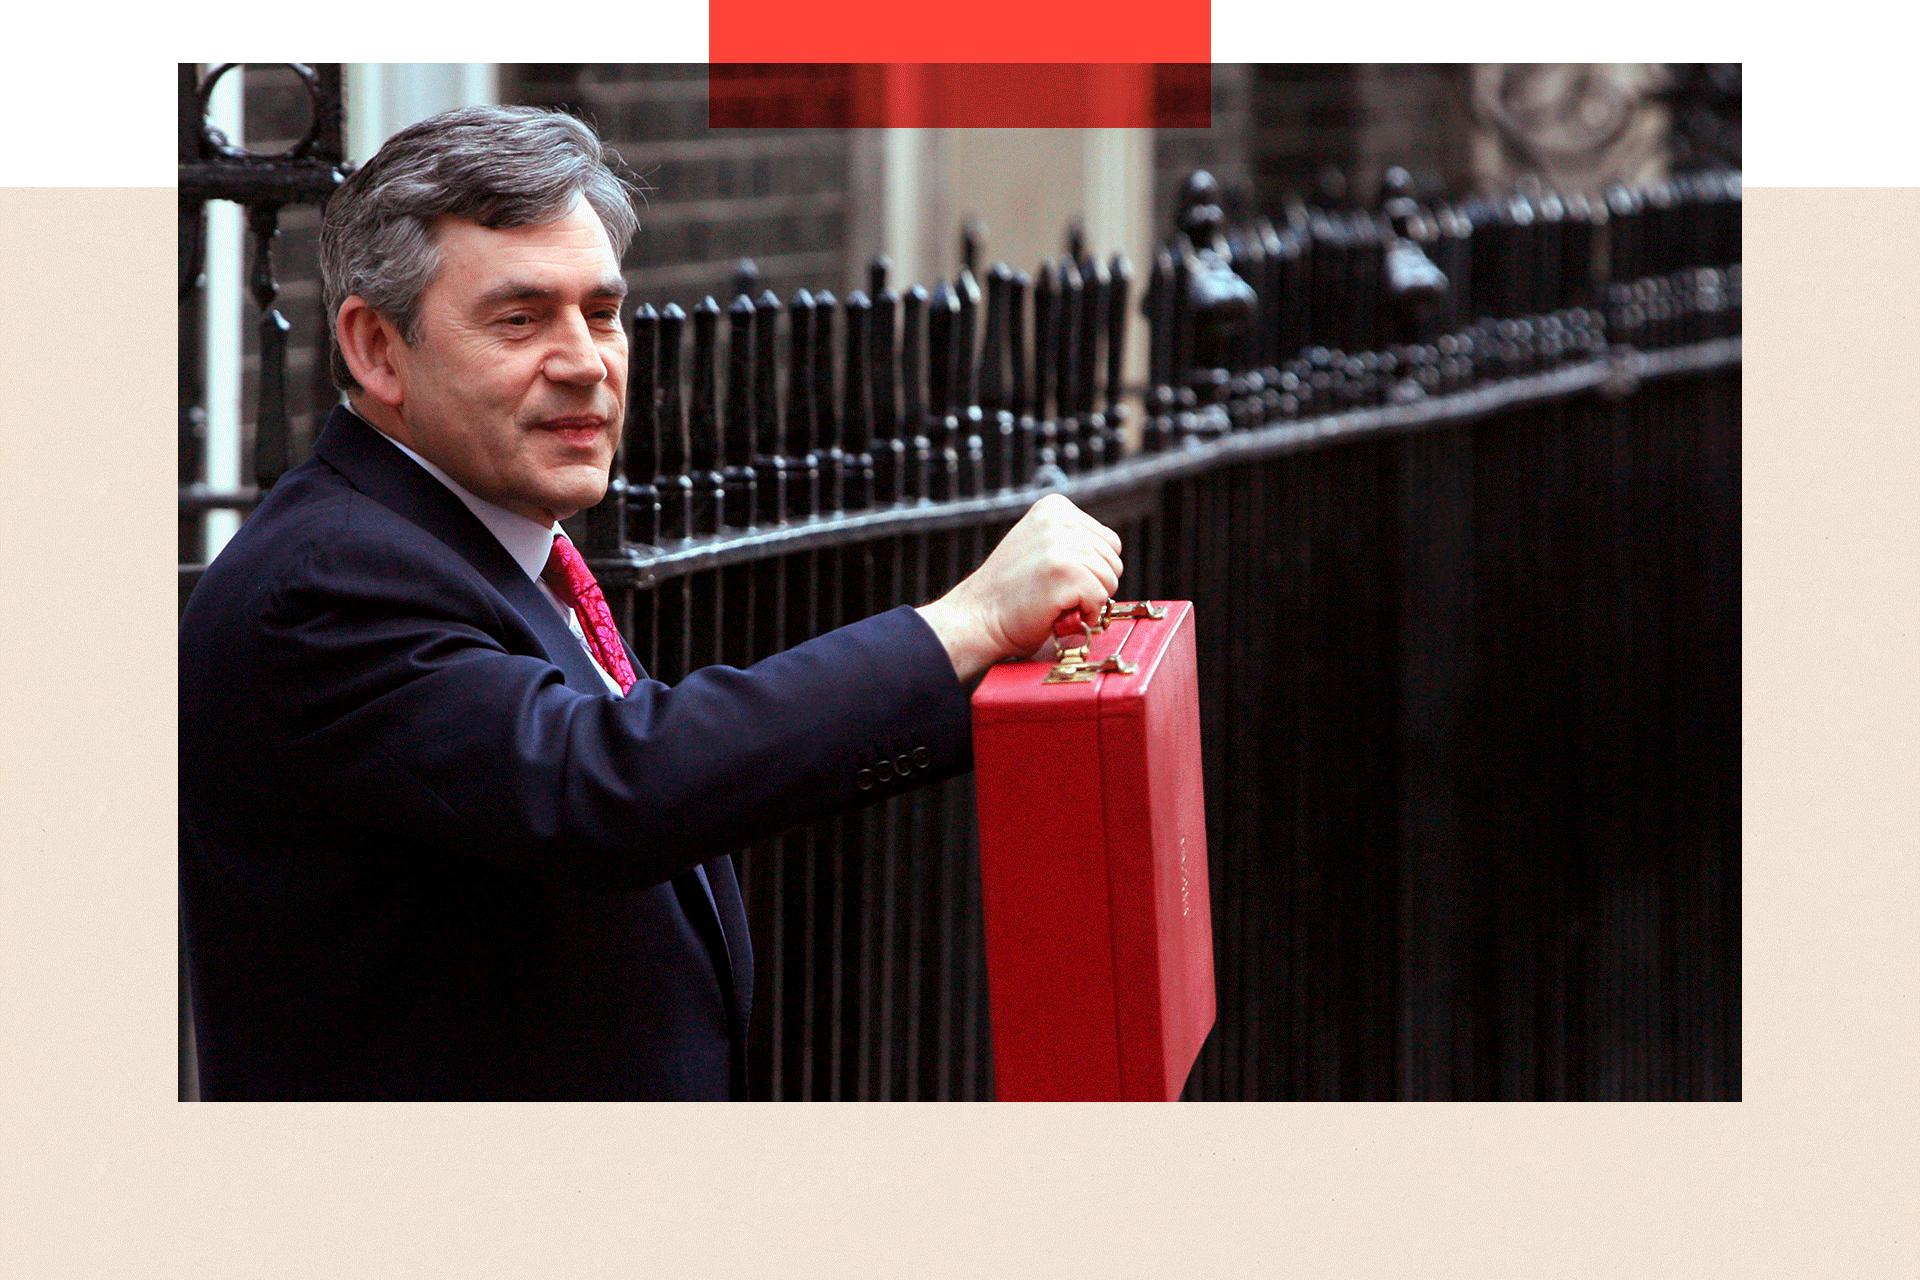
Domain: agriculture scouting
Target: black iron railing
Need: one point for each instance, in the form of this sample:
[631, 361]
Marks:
[215, 167]
[1467, 586]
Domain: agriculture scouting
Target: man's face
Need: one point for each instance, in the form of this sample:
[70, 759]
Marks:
[517, 386]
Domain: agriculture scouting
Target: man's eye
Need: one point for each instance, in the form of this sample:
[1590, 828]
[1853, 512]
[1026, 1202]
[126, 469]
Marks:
[519, 321]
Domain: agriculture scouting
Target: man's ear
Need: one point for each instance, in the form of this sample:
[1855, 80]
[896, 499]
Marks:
[367, 342]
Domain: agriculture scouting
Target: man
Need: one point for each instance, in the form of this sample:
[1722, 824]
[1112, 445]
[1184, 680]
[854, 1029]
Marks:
[440, 837]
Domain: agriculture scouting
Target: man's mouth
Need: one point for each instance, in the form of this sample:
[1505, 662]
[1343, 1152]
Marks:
[582, 431]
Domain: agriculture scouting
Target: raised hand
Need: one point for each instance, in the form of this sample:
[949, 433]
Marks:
[1057, 559]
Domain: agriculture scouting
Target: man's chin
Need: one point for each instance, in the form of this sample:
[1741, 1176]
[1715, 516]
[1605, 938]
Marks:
[570, 499]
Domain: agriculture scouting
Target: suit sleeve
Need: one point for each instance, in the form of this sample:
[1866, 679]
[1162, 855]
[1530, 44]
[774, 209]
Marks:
[403, 703]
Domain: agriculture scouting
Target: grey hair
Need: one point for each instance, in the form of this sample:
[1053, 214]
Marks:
[498, 166]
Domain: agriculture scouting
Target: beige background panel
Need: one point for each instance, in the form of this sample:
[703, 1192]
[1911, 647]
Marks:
[1813, 1175]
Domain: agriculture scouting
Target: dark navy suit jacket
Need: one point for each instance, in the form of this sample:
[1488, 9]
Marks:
[425, 854]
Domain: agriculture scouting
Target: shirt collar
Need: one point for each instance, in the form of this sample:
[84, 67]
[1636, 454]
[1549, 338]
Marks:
[527, 541]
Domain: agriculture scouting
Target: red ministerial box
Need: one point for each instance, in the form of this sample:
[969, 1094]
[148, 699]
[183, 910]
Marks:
[1093, 865]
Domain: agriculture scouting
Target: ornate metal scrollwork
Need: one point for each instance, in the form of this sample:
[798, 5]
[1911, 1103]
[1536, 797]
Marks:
[214, 167]
[1576, 125]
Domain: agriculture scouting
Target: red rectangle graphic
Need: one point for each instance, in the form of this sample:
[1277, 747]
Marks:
[1141, 31]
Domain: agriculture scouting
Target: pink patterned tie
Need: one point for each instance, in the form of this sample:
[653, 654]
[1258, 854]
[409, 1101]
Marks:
[573, 582]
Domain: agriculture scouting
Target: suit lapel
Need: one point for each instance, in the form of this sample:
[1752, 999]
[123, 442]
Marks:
[378, 469]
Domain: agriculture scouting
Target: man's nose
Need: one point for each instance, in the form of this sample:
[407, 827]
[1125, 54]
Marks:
[574, 356]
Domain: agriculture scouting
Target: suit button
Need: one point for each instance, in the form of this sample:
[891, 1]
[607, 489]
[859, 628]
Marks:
[864, 779]
[883, 770]
[922, 757]
[902, 765]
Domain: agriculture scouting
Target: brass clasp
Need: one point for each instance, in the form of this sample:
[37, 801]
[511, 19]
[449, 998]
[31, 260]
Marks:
[1131, 609]
[1072, 666]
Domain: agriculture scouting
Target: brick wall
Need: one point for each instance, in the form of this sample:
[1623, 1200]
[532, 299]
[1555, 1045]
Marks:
[1282, 130]
[1224, 149]
[778, 196]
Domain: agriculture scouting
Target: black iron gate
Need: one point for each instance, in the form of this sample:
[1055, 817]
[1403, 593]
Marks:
[1456, 493]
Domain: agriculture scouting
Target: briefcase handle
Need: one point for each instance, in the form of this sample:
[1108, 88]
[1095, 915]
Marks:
[1071, 665]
